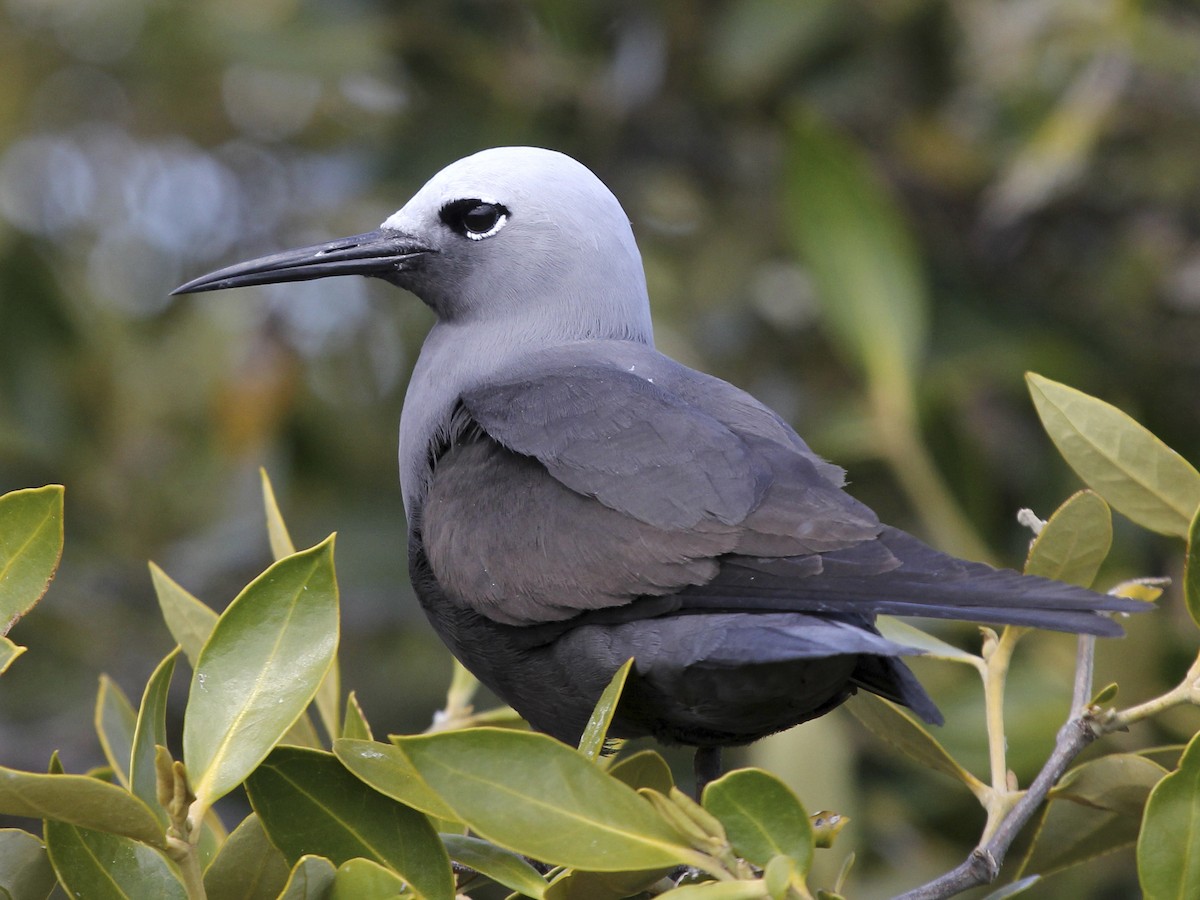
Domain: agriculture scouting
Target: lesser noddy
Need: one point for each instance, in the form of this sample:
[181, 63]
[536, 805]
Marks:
[575, 498]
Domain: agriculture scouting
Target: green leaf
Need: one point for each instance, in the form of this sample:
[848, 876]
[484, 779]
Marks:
[303, 733]
[1094, 809]
[644, 769]
[1119, 782]
[93, 865]
[329, 694]
[311, 879]
[901, 731]
[355, 727]
[247, 867]
[115, 721]
[388, 769]
[78, 800]
[762, 817]
[8, 653]
[362, 879]
[1191, 571]
[1167, 858]
[1128, 466]
[1074, 542]
[277, 531]
[596, 731]
[720, 890]
[189, 620]
[856, 245]
[31, 542]
[537, 797]
[310, 804]
[150, 731]
[260, 668]
[902, 633]
[25, 870]
[1017, 887]
[501, 866]
[577, 885]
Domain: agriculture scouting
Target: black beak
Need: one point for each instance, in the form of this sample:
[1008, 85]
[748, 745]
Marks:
[379, 253]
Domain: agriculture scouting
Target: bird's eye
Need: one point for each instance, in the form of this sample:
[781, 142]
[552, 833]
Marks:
[474, 219]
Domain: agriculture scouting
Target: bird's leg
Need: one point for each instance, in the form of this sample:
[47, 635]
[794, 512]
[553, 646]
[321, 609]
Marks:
[707, 766]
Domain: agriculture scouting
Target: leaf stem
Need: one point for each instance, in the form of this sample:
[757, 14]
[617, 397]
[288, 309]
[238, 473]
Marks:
[1187, 691]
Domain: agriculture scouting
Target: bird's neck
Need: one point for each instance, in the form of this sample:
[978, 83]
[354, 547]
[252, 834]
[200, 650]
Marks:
[457, 357]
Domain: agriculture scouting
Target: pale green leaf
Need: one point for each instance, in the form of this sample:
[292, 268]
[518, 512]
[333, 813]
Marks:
[362, 879]
[150, 731]
[719, 890]
[189, 620]
[115, 721]
[260, 669]
[355, 727]
[303, 733]
[596, 731]
[908, 736]
[96, 866]
[311, 879]
[644, 769]
[1073, 542]
[247, 867]
[502, 866]
[1168, 861]
[533, 795]
[762, 817]
[1191, 571]
[8, 653]
[1012, 890]
[78, 800]
[25, 870]
[854, 242]
[310, 804]
[31, 542]
[902, 633]
[1139, 475]
[277, 531]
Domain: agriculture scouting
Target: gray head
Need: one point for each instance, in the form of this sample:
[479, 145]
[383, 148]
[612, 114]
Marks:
[521, 239]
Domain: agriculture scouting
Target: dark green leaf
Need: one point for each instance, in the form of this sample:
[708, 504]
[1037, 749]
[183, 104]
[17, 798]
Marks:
[259, 670]
[1119, 782]
[311, 879]
[31, 542]
[576, 885]
[1167, 858]
[189, 621]
[93, 865]
[1074, 541]
[596, 731]
[892, 726]
[150, 731]
[502, 866]
[310, 804]
[247, 867]
[531, 794]
[762, 817]
[78, 800]
[644, 769]
[115, 721]
[25, 870]
[1128, 466]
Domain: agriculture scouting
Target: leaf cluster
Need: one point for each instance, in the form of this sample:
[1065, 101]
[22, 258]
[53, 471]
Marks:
[477, 806]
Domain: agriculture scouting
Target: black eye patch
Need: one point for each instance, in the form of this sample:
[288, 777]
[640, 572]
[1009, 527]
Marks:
[473, 218]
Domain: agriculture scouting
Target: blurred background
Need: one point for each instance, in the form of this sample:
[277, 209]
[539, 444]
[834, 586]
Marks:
[980, 187]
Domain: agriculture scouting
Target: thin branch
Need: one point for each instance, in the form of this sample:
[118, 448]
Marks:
[983, 865]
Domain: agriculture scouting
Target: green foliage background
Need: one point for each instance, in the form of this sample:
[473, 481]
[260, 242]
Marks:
[1040, 192]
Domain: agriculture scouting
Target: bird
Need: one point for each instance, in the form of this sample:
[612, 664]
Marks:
[575, 498]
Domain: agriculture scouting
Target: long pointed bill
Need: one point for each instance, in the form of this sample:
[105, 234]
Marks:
[379, 253]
